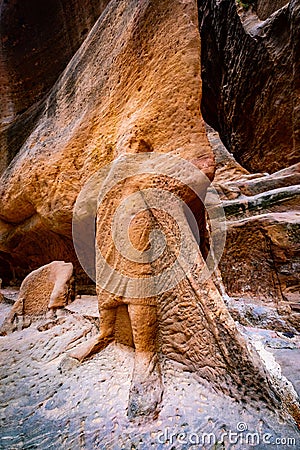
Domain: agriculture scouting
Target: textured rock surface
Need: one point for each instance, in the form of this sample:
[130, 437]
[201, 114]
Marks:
[261, 259]
[256, 313]
[264, 8]
[251, 82]
[270, 270]
[191, 317]
[105, 103]
[133, 86]
[48, 287]
[37, 41]
[227, 168]
[85, 406]
[138, 117]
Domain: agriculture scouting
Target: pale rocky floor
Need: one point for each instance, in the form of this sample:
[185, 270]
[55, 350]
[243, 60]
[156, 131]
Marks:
[84, 406]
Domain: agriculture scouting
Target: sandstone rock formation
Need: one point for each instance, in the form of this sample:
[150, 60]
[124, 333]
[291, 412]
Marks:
[133, 87]
[270, 271]
[250, 72]
[49, 287]
[37, 42]
[94, 112]
[262, 253]
[265, 8]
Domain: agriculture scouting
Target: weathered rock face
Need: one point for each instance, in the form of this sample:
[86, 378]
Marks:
[251, 82]
[133, 87]
[37, 41]
[265, 8]
[263, 254]
[48, 287]
[261, 260]
[86, 404]
[105, 103]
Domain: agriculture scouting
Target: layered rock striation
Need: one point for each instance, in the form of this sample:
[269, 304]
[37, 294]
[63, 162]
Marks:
[134, 87]
[105, 103]
[262, 253]
[250, 72]
[37, 42]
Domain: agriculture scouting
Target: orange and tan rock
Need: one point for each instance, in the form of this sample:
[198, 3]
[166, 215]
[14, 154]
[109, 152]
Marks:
[265, 8]
[270, 270]
[49, 287]
[37, 42]
[133, 87]
[263, 215]
[105, 103]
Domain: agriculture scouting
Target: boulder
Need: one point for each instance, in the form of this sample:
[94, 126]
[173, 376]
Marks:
[49, 287]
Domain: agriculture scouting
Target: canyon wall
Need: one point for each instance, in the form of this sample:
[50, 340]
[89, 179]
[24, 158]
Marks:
[250, 72]
[123, 78]
[250, 95]
[37, 41]
[106, 102]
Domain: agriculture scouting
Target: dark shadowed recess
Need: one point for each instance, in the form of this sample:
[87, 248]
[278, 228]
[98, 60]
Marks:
[251, 80]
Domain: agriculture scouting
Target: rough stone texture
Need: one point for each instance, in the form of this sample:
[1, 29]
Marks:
[264, 8]
[72, 141]
[10, 295]
[132, 87]
[105, 103]
[37, 41]
[253, 312]
[85, 406]
[227, 168]
[261, 259]
[270, 270]
[191, 318]
[193, 324]
[250, 72]
[48, 287]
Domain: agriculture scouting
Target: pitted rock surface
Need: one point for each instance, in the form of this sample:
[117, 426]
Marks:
[45, 404]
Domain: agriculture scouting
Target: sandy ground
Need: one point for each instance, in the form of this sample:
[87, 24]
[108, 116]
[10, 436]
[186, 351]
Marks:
[83, 406]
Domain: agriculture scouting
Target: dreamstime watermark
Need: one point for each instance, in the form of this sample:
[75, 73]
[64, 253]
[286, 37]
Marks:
[123, 190]
[240, 436]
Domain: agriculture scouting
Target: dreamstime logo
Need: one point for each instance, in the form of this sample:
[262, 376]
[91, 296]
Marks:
[133, 220]
[240, 436]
